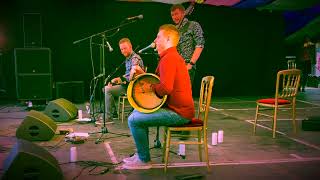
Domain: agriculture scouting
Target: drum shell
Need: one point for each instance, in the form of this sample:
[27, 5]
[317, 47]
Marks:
[146, 102]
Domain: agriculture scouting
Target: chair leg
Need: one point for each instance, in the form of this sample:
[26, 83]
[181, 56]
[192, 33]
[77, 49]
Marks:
[206, 153]
[164, 143]
[119, 103]
[255, 120]
[167, 150]
[274, 122]
[294, 117]
[199, 145]
[122, 111]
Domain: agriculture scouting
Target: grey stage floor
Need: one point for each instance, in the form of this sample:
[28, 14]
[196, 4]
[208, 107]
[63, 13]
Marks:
[241, 155]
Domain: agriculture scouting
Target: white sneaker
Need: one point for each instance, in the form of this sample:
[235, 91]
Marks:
[130, 159]
[137, 164]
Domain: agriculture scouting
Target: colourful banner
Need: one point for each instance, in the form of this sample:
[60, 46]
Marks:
[210, 2]
[161, 1]
[317, 68]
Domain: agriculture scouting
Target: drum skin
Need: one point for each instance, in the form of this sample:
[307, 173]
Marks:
[140, 95]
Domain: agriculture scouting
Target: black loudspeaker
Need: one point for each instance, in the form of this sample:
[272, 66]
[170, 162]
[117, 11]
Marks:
[33, 60]
[61, 110]
[33, 73]
[71, 90]
[34, 87]
[32, 29]
[312, 123]
[36, 126]
[30, 161]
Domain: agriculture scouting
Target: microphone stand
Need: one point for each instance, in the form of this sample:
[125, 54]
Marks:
[102, 69]
[104, 129]
[103, 32]
[111, 74]
[149, 53]
[92, 99]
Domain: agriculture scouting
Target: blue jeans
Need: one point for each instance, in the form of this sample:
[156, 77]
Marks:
[140, 122]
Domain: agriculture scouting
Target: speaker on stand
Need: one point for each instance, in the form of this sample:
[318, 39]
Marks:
[33, 73]
[32, 29]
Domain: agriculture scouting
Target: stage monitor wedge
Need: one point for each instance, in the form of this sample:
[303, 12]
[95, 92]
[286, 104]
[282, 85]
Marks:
[36, 126]
[30, 161]
[61, 110]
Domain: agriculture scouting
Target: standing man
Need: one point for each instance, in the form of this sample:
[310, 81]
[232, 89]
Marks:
[307, 59]
[179, 107]
[118, 86]
[191, 41]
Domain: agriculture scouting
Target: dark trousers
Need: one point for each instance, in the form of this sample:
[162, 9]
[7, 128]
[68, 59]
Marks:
[306, 70]
[192, 73]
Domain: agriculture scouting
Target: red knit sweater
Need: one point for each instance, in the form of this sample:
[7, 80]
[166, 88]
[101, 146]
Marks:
[175, 82]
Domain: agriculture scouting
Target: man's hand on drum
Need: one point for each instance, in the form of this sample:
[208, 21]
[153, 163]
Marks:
[135, 70]
[147, 87]
[116, 80]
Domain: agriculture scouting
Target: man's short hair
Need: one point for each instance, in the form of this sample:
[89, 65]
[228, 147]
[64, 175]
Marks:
[124, 40]
[171, 31]
[177, 6]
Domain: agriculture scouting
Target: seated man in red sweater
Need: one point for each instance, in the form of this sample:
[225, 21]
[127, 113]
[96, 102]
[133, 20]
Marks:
[175, 83]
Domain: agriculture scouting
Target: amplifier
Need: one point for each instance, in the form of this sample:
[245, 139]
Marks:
[70, 90]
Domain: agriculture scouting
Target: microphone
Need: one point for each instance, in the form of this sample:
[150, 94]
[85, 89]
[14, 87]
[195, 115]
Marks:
[135, 17]
[152, 45]
[109, 46]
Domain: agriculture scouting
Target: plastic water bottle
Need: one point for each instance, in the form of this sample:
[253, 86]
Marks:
[220, 136]
[73, 154]
[214, 138]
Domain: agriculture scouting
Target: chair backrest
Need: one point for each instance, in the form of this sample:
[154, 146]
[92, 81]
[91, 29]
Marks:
[291, 64]
[287, 83]
[205, 98]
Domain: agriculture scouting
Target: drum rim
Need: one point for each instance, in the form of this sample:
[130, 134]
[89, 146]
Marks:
[133, 102]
